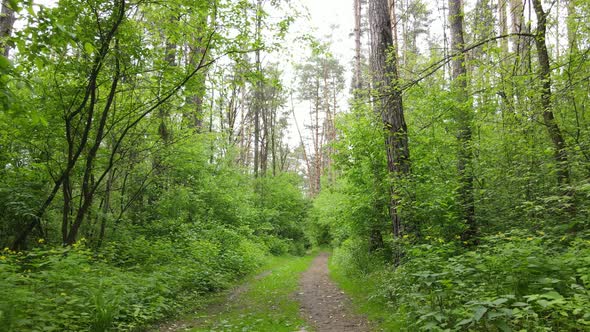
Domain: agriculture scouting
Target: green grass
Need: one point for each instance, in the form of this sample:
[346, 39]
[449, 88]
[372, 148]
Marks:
[358, 290]
[267, 304]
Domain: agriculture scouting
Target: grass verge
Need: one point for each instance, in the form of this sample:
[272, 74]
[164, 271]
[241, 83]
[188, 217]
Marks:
[359, 290]
[265, 303]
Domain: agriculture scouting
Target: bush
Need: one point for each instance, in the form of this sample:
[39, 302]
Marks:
[126, 286]
[512, 281]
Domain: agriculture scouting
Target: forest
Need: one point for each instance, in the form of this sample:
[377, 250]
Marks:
[217, 165]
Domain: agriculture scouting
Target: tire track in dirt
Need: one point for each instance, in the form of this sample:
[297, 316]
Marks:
[323, 304]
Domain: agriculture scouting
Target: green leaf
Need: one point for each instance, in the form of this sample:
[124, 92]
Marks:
[552, 295]
[479, 312]
[13, 4]
[89, 48]
[465, 322]
[503, 326]
[4, 63]
[499, 301]
[31, 11]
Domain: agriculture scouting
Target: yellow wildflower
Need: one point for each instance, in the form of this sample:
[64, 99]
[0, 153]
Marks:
[41, 240]
[529, 238]
[2, 258]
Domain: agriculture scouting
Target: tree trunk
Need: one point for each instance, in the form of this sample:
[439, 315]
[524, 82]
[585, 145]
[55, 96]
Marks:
[273, 141]
[67, 209]
[7, 18]
[393, 18]
[388, 103]
[88, 184]
[196, 100]
[258, 91]
[316, 141]
[521, 45]
[106, 206]
[559, 145]
[464, 117]
[517, 13]
[358, 84]
[572, 26]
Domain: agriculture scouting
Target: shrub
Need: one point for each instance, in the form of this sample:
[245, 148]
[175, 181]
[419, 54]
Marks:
[512, 281]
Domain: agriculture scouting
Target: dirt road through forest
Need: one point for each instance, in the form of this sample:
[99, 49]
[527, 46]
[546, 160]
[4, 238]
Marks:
[294, 294]
[323, 304]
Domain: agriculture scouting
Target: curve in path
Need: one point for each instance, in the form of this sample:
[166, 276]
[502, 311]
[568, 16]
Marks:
[323, 304]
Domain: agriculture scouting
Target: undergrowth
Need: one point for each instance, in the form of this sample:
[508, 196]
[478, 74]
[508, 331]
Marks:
[75, 289]
[515, 281]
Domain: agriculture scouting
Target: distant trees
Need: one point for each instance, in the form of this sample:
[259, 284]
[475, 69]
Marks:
[320, 83]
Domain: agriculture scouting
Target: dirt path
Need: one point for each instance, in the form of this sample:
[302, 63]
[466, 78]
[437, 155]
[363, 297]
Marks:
[323, 304]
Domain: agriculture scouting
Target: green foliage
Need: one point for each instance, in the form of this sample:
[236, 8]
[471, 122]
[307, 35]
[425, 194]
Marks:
[512, 281]
[124, 286]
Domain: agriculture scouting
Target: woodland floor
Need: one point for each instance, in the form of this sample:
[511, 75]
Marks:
[323, 304]
[295, 294]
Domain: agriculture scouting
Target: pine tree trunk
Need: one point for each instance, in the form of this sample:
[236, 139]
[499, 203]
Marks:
[464, 117]
[357, 42]
[258, 93]
[388, 103]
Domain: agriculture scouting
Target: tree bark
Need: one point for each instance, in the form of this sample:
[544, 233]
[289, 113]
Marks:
[503, 22]
[464, 116]
[106, 206]
[88, 186]
[559, 144]
[572, 26]
[388, 103]
[197, 99]
[258, 91]
[7, 18]
[358, 84]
